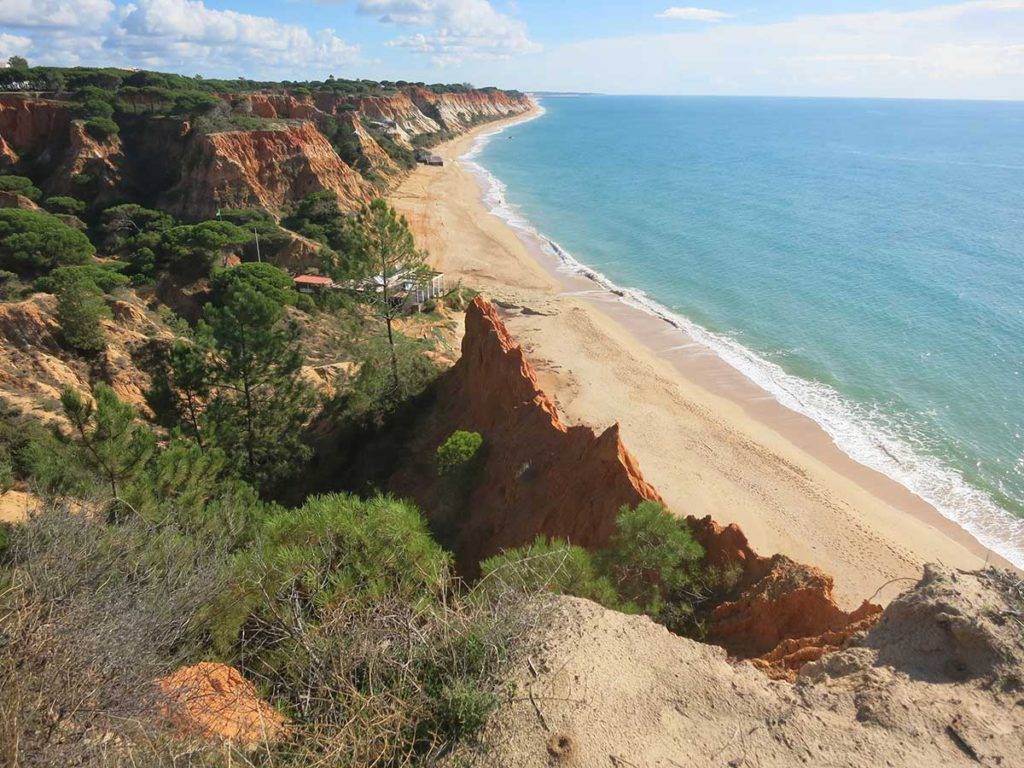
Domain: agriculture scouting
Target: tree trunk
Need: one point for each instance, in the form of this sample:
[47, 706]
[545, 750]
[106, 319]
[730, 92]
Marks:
[394, 355]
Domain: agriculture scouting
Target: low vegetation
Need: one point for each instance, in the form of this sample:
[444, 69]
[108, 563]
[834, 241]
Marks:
[651, 565]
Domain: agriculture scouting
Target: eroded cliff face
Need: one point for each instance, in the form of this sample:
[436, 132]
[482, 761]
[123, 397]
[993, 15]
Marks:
[32, 129]
[262, 169]
[539, 476]
[35, 368]
[165, 161]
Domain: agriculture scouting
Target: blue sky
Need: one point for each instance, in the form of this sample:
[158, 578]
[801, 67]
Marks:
[909, 48]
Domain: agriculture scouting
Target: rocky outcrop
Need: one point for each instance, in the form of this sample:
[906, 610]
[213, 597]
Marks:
[774, 600]
[266, 169]
[377, 164]
[14, 200]
[100, 160]
[398, 115]
[33, 129]
[213, 701]
[537, 475]
[454, 112]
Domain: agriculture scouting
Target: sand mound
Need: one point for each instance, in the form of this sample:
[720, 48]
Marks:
[954, 626]
[215, 701]
[606, 689]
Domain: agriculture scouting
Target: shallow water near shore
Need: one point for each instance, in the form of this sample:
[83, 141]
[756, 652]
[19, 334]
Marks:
[859, 260]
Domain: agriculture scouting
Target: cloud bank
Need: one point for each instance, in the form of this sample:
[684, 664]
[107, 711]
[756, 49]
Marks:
[455, 30]
[693, 14]
[169, 34]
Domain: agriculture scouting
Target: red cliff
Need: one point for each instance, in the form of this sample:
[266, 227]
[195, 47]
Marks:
[539, 476]
[36, 129]
[266, 169]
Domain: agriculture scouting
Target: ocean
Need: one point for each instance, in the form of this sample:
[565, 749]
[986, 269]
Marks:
[862, 260]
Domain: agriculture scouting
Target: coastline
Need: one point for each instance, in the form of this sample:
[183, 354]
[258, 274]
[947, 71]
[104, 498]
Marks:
[711, 440]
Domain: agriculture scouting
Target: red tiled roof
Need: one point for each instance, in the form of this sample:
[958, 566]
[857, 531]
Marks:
[313, 280]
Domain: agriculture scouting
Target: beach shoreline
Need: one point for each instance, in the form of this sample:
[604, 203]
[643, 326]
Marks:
[711, 440]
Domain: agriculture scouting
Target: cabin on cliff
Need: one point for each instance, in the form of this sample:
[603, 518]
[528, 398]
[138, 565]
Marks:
[313, 283]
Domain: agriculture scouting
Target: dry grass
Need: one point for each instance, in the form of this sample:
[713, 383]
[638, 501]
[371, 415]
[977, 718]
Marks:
[89, 617]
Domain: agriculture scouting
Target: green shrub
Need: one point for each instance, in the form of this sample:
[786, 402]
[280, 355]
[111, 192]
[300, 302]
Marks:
[32, 242]
[101, 128]
[6, 470]
[80, 310]
[651, 557]
[348, 613]
[266, 279]
[455, 453]
[552, 565]
[19, 185]
[71, 206]
[333, 548]
[11, 286]
[651, 564]
[105, 277]
[373, 397]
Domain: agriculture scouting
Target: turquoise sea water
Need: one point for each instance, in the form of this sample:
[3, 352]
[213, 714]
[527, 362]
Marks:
[863, 260]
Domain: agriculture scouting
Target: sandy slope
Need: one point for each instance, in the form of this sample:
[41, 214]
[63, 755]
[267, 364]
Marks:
[709, 440]
[936, 683]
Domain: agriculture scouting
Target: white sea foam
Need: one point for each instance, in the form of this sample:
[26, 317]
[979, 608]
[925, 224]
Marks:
[868, 437]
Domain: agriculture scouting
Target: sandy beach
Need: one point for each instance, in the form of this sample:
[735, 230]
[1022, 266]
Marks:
[710, 440]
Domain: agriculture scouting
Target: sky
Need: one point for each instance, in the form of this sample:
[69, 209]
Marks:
[858, 48]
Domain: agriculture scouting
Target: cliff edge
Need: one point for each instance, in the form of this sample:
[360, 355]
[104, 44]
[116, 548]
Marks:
[938, 682]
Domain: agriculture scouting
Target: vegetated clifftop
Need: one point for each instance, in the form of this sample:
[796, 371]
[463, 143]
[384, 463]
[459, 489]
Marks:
[939, 681]
[539, 476]
[193, 168]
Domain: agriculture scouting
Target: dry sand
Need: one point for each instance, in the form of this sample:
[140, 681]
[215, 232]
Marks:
[711, 441]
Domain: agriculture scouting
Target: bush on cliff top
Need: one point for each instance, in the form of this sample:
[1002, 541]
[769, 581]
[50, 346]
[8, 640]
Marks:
[33, 243]
[19, 185]
[651, 564]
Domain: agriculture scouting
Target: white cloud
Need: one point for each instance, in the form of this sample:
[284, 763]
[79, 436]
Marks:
[688, 13]
[168, 32]
[184, 35]
[68, 14]
[456, 29]
[13, 45]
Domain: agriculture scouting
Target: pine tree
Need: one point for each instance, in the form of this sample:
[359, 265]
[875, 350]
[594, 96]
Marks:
[387, 249]
[189, 386]
[80, 308]
[260, 403]
[111, 442]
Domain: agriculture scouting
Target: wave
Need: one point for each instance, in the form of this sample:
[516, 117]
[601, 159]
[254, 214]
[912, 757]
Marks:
[869, 436]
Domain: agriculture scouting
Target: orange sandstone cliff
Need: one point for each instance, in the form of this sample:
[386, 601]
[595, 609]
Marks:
[265, 169]
[539, 476]
[171, 163]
